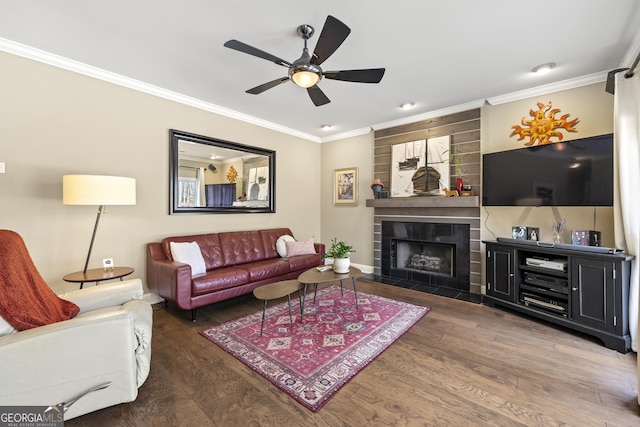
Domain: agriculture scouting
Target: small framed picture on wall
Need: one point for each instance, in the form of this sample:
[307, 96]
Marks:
[345, 186]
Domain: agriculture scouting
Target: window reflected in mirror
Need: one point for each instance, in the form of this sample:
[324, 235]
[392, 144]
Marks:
[209, 175]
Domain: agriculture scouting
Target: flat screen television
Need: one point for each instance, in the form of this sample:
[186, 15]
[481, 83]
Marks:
[568, 173]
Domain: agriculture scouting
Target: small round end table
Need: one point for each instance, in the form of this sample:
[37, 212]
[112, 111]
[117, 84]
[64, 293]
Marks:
[97, 275]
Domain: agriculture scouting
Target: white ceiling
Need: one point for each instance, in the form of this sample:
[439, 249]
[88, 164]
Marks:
[441, 55]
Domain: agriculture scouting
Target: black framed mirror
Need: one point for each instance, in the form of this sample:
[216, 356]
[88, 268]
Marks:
[210, 175]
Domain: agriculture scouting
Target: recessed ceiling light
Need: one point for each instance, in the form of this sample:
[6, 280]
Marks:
[407, 105]
[326, 127]
[543, 68]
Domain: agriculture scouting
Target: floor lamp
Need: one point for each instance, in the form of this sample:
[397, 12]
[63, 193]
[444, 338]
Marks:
[99, 191]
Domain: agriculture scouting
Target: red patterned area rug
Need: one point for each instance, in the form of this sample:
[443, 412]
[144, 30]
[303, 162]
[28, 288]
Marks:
[312, 360]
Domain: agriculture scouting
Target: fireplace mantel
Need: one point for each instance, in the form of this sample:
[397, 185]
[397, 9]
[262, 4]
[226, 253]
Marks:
[425, 202]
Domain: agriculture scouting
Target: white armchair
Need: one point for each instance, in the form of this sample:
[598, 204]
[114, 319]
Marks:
[107, 347]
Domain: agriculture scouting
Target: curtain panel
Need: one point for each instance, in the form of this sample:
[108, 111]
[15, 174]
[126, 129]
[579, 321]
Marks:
[627, 182]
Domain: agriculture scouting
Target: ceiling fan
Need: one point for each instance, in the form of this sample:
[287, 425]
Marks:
[305, 71]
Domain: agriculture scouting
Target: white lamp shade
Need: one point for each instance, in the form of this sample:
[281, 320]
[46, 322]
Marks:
[98, 190]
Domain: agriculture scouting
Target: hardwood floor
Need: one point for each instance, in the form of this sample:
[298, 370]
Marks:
[463, 364]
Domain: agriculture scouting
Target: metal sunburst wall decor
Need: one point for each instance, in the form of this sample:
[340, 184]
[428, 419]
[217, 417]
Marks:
[544, 125]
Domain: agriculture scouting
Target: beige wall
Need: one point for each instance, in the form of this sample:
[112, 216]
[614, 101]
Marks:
[353, 224]
[54, 122]
[594, 107]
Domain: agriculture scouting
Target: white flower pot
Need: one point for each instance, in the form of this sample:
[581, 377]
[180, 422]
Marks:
[341, 265]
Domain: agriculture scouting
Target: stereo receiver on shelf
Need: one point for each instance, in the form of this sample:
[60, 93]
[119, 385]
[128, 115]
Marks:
[551, 264]
[546, 282]
[540, 301]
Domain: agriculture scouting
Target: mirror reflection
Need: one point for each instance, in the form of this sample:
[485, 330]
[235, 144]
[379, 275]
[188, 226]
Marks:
[209, 175]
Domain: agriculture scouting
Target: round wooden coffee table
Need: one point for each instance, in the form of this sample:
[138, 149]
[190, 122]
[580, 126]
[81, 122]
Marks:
[314, 277]
[277, 290]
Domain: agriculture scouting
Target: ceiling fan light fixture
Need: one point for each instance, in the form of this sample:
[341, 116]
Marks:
[305, 75]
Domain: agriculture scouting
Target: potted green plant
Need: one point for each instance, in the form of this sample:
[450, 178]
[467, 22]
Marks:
[339, 251]
[455, 156]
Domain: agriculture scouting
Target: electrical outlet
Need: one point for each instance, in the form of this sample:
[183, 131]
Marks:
[2, 167]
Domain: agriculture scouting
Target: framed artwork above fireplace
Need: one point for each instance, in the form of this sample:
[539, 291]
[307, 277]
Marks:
[420, 167]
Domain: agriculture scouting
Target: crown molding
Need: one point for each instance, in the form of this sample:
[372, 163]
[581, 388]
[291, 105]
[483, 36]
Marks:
[345, 135]
[90, 71]
[632, 53]
[549, 88]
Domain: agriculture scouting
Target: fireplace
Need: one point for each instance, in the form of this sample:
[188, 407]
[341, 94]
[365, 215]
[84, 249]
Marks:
[435, 253]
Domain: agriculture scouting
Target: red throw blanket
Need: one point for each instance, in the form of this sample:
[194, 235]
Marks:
[26, 301]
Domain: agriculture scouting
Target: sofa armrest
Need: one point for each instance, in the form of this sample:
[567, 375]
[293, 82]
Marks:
[320, 248]
[171, 280]
[57, 362]
[107, 295]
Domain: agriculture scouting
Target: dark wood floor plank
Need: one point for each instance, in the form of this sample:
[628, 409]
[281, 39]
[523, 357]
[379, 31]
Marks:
[462, 364]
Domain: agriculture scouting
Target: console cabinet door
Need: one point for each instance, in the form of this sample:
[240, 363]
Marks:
[593, 294]
[500, 273]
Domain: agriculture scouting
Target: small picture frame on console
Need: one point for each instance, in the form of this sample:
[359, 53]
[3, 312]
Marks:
[586, 237]
[519, 232]
[533, 233]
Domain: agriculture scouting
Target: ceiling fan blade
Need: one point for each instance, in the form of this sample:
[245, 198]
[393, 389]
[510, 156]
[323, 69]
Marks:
[371, 75]
[245, 48]
[265, 86]
[333, 34]
[317, 96]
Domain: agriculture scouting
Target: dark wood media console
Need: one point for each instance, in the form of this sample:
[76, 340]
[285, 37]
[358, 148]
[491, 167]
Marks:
[576, 288]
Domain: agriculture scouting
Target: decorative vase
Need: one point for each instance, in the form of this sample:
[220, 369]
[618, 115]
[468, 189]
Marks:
[459, 184]
[557, 237]
[376, 187]
[341, 265]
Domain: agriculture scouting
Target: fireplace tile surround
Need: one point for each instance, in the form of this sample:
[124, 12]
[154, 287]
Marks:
[444, 245]
[464, 130]
[443, 213]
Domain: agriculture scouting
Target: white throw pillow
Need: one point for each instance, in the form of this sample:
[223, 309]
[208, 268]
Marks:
[281, 244]
[189, 253]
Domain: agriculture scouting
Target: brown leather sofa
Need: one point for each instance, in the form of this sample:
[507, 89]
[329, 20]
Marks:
[237, 262]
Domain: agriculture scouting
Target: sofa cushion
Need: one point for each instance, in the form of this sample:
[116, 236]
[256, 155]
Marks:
[219, 279]
[241, 247]
[266, 269]
[188, 253]
[281, 244]
[209, 247]
[269, 239]
[304, 262]
[300, 248]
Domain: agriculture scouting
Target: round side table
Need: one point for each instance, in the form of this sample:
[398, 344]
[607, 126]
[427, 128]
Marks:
[97, 275]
